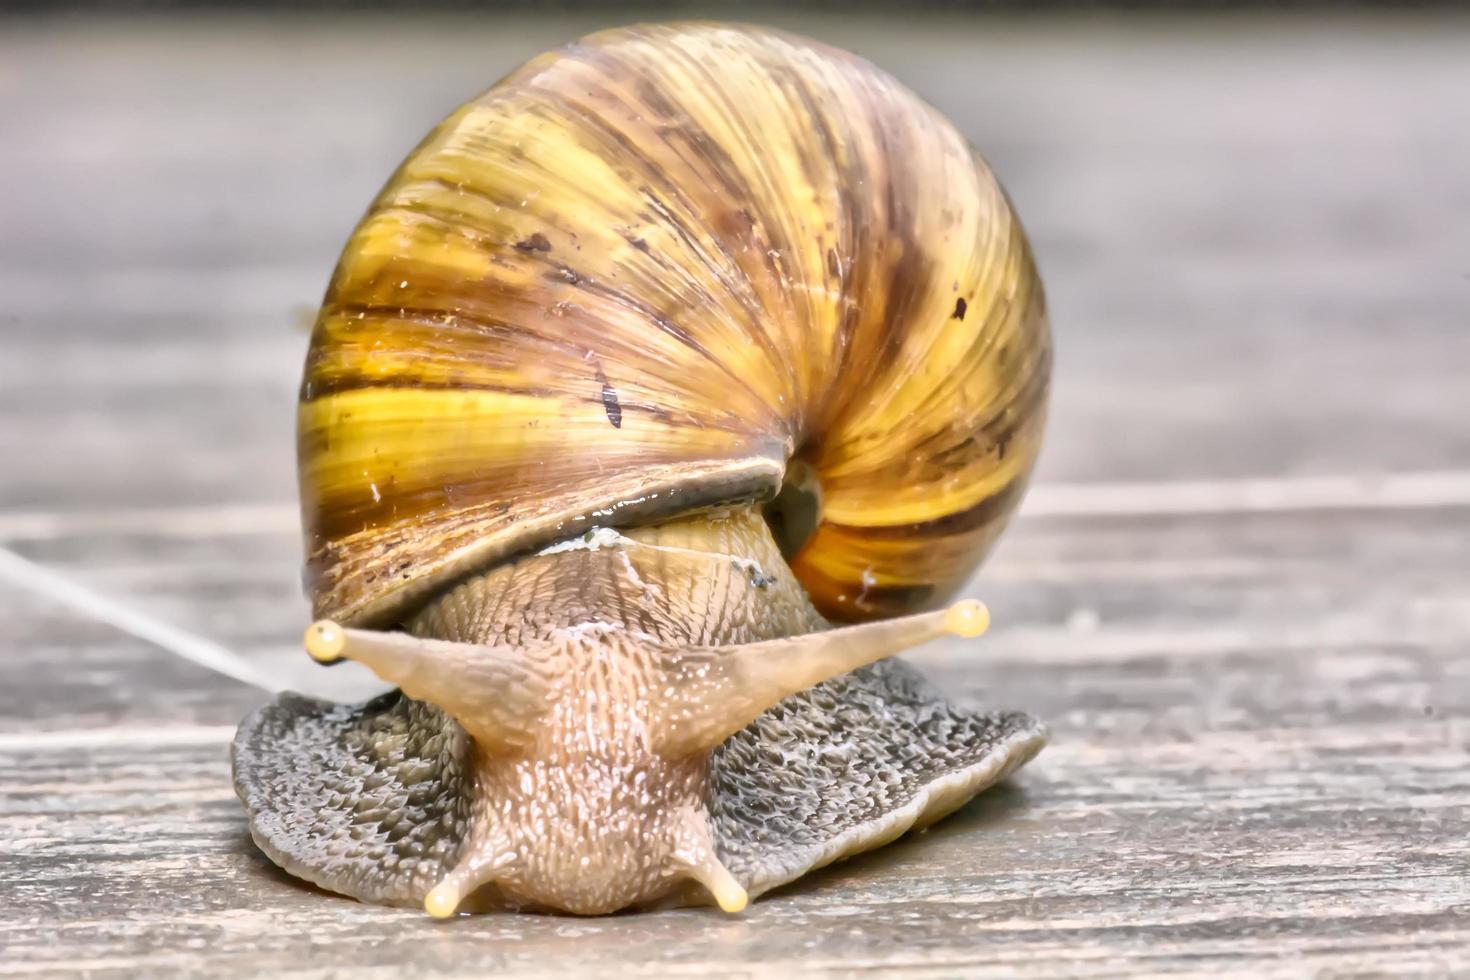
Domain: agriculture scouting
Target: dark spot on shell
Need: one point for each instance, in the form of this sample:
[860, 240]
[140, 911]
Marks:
[611, 406]
[959, 308]
[639, 244]
[536, 243]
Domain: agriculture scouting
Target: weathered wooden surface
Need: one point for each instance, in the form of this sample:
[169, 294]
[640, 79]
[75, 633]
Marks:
[1250, 233]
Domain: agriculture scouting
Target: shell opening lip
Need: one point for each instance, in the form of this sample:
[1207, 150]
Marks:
[794, 513]
[717, 483]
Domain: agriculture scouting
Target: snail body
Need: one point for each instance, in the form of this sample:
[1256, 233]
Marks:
[673, 348]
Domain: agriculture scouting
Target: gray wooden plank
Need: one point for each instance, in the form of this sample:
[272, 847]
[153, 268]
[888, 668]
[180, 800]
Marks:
[64, 672]
[1339, 846]
[1145, 585]
[133, 409]
[1215, 806]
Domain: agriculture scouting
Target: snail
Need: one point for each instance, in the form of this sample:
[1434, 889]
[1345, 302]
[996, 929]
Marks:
[665, 391]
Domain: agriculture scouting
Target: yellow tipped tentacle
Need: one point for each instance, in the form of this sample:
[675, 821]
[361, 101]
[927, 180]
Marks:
[969, 618]
[472, 872]
[714, 876]
[716, 691]
[696, 858]
[325, 641]
[443, 900]
[497, 693]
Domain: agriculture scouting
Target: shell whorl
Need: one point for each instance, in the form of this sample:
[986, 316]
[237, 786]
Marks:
[642, 274]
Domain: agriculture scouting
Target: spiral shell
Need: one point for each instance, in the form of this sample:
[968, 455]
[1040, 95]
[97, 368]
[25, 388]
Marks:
[642, 275]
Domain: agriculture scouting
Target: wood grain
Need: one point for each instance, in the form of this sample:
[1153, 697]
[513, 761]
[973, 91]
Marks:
[1337, 845]
[1261, 718]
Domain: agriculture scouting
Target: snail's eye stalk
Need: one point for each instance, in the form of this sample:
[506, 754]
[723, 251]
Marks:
[714, 692]
[325, 641]
[497, 693]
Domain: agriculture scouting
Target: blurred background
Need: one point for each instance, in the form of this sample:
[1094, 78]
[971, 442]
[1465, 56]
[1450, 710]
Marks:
[1250, 221]
[1214, 194]
[1238, 588]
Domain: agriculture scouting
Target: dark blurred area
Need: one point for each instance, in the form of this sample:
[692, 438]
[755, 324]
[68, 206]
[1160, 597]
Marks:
[670, 8]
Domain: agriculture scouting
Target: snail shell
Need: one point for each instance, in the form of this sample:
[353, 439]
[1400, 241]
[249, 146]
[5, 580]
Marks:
[602, 316]
[644, 274]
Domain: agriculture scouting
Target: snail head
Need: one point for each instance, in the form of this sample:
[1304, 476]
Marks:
[596, 741]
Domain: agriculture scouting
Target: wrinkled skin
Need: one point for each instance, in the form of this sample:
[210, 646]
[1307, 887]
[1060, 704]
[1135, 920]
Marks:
[590, 812]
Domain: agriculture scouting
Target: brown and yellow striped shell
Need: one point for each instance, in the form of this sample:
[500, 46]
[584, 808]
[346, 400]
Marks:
[642, 275]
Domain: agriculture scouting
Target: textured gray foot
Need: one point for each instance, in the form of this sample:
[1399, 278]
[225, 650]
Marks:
[370, 800]
[850, 764]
